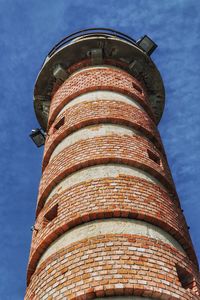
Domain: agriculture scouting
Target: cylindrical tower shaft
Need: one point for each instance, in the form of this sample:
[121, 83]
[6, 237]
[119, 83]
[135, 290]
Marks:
[108, 219]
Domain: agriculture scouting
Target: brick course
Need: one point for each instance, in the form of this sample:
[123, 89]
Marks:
[97, 79]
[95, 112]
[125, 196]
[109, 264]
[128, 150]
[112, 265]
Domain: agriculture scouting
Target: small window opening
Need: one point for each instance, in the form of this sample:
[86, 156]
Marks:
[153, 157]
[51, 214]
[137, 88]
[60, 123]
[186, 279]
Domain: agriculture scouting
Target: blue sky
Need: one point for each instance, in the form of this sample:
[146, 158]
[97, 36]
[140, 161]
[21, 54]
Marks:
[28, 30]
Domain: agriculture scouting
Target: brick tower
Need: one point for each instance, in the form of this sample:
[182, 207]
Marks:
[108, 219]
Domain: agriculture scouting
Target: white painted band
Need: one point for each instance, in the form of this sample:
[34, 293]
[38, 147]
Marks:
[101, 171]
[92, 132]
[110, 226]
[101, 95]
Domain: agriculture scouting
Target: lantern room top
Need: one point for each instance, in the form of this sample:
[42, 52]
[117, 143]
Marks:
[100, 45]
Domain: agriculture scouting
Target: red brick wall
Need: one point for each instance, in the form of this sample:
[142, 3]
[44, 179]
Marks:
[99, 199]
[110, 264]
[97, 79]
[101, 111]
[127, 150]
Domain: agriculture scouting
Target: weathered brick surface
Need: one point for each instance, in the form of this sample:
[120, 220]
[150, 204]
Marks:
[85, 63]
[110, 62]
[96, 79]
[100, 111]
[110, 265]
[106, 149]
[125, 196]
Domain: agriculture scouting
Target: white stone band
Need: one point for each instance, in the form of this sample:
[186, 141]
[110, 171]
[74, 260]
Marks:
[110, 226]
[101, 95]
[92, 132]
[101, 171]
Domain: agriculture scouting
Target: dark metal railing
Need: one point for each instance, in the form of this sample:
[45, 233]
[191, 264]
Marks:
[90, 32]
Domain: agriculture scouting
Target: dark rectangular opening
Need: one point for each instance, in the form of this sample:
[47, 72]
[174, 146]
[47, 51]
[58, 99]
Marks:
[186, 279]
[60, 123]
[51, 214]
[137, 88]
[153, 157]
